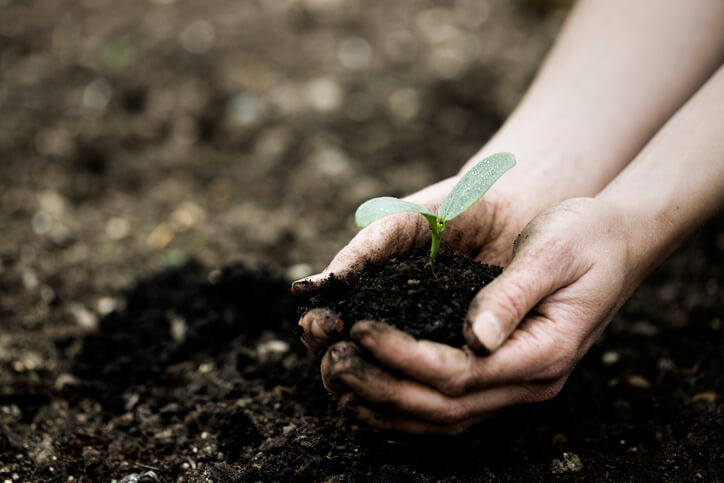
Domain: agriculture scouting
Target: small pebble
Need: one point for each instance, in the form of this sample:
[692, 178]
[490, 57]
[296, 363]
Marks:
[355, 53]
[52, 202]
[272, 349]
[664, 364]
[324, 94]
[30, 279]
[105, 305]
[84, 317]
[117, 228]
[704, 397]
[246, 109]
[404, 103]
[42, 223]
[96, 97]
[638, 381]
[198, 37]
[299, 270]
[177, 328]
[610, 358]
[65, 379]
[187, 215]
[213, 276]
[644, 328]
[160, 236]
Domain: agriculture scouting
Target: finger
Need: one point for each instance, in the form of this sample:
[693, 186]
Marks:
[390, 421]
[429, 362]
[384, 239]
[501, 305]
[320, 327]
[405, 396]
[339, 359]
[452, 371]
[307, 284]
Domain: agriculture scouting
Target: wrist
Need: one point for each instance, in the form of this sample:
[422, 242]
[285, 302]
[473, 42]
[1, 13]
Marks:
[651, 233]
[551, 166]
[543, 177]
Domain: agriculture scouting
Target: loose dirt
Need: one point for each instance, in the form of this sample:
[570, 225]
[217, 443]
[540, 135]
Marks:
[138, 136]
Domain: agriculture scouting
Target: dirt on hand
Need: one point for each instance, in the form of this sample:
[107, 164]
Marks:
[426, 301]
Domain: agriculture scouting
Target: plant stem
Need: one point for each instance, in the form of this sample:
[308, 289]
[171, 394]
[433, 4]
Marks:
[435, 247]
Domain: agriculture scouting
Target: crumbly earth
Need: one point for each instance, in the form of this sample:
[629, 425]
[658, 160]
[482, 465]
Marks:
[426, 301]
[138, 135]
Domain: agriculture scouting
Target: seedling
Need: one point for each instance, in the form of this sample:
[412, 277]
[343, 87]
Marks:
[471, 187]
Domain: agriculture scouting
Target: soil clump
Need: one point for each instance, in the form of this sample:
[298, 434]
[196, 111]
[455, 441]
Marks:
[426, 301]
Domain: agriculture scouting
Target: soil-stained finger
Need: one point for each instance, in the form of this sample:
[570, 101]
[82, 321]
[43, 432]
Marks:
[441, 366]
[320, 327]
[404, 396]
[304, 285]
[339, 359]
[389, 421]
[454, 372]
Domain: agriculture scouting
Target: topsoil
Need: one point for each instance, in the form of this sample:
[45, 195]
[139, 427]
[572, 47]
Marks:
[426, 301]
[148, 145]
[201, 376]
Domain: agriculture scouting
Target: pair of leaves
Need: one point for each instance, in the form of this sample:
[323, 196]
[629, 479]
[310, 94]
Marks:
[471, 187]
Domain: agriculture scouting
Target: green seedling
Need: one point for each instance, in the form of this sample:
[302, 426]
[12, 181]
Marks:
[471, 187]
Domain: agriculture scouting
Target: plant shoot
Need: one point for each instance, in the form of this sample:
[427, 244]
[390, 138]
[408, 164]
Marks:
[471, 187]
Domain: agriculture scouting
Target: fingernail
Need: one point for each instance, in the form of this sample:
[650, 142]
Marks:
[335, 353]
[488, 329]
[303, 284]
[312, 278]
[316, 330]
[362, 332]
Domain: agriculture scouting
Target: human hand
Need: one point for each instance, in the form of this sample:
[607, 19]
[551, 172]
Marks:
[486, 232]
[570, 273]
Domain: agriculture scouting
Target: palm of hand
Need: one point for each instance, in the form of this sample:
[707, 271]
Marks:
[567, 280]
[485, 232]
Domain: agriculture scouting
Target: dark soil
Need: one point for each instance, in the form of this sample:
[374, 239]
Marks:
[138, 135]
[426, 301]
[201, 376]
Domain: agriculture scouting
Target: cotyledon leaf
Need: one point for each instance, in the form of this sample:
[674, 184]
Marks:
[376, 208]
[473, 185]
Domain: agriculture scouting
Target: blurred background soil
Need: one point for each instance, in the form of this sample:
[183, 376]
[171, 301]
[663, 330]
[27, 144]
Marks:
[138, 135]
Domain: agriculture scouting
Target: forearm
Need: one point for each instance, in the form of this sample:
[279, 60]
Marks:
[677, 182]
[618, 71]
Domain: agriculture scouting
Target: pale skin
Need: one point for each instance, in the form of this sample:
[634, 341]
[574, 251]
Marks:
[620, 158]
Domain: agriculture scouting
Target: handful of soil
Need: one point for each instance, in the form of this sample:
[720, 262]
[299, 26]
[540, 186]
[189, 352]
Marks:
[426, 301]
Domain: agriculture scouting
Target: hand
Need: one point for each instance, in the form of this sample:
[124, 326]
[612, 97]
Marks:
[569, 275]
[486, 232]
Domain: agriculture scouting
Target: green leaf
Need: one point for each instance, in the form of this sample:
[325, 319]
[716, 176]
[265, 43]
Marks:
[473, 185]
[376, 208]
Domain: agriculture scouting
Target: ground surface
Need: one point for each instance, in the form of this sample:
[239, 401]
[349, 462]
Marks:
[137, 135]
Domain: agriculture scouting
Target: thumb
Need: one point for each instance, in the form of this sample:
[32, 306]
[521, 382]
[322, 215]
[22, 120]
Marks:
[498, 308]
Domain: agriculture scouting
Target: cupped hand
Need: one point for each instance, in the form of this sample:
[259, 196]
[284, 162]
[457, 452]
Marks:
[485, 232]
[571, 271]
